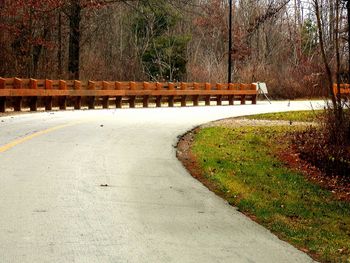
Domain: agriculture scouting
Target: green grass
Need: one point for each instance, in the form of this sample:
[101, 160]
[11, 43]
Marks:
[306, 116]
[244, 169]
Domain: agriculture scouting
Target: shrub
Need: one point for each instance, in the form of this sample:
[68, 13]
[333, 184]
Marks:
[328, 146]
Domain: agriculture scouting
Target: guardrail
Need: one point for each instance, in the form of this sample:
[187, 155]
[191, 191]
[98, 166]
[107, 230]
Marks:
[344, 89]
[33, 93]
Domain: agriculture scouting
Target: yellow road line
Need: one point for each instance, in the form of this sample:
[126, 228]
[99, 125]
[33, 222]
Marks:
[14, 143]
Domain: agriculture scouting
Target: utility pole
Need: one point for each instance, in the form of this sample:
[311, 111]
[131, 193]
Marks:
[230, 51]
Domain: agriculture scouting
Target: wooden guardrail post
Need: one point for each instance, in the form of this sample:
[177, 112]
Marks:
[17, 83]
[219, 97]
[118, 99]
[231, 97]
[62, 101]
[145, 98]
[159, 86]
[132, 99]
[2, 104]
[17, 101]
[2, 83]
[77, 102]
[33, 102]
[196, 97]
[207, 98]
[2, 99]
[105, 99]
[242, 87]
[254, 97]
[171, 87]
[91, 99]
[183, 86]
[33, 84]
[48, 100]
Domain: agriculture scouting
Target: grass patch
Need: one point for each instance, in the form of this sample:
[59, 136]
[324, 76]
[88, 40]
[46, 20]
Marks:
[305, 116]
[244, 168]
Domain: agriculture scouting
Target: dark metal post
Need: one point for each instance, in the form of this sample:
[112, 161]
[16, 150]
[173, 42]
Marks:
[230, 45]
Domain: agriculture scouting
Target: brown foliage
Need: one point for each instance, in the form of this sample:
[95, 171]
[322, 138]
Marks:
[327, 147]
[268, 42]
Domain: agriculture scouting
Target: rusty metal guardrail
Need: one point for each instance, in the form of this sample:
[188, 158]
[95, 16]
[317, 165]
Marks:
[33, 93]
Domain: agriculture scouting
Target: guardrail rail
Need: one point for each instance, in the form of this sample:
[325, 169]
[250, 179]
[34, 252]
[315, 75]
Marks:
[19, 93]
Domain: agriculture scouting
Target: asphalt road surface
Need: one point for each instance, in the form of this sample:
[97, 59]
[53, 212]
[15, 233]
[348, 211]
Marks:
[105, 186]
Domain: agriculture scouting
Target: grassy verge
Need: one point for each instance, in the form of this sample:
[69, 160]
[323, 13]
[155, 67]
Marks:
[243, 166]
[306, 116]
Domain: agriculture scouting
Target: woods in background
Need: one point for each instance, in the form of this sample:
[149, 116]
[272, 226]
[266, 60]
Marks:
[275, 41]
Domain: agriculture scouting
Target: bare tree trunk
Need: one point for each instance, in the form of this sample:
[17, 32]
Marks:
[331, 23]
[59, 38]
[336, 37]
[338, 111]
[324, 57]
[74, 39]
[298, 28]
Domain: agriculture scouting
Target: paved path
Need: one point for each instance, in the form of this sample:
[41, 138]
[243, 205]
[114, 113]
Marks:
[54, 209]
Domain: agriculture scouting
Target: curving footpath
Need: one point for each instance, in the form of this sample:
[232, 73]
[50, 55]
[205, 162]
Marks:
[105, 186]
